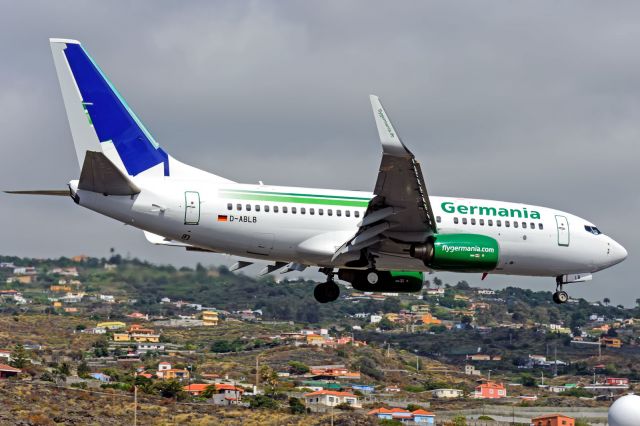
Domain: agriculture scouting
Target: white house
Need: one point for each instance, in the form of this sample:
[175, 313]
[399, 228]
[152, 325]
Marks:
[447, 393]
[375, 319]
[327, 398]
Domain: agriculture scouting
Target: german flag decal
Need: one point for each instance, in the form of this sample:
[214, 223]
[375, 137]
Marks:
[223, 218]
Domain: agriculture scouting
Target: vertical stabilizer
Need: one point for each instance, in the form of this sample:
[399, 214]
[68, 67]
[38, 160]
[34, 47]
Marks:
[99, 117]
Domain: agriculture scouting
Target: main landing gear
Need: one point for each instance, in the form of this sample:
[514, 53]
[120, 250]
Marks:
[327, 291]
[560, 296]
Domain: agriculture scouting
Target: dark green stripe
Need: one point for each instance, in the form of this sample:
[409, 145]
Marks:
[300, 200]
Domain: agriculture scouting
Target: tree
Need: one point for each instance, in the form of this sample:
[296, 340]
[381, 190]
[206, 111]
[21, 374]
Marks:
[606, 301]
[263, 401]
[459, 421]
[437, 282]
[171, 389]
[19, 357]
[83, 370]
[298, 368]
[296, 406]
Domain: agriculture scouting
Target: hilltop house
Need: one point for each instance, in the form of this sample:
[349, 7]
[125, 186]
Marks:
[8, 371]
[553, 420]
[421, 417]
[167, 373]
[490, 390]
[209, 318]
[328, 398]
[447, 393]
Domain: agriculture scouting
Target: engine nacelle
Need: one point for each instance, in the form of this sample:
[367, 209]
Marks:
[384, 281]
[458, 252]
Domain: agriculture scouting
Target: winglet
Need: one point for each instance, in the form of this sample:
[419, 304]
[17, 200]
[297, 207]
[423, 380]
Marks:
[391, 143]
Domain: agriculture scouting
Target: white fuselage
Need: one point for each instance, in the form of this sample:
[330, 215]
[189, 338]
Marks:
[233, 218]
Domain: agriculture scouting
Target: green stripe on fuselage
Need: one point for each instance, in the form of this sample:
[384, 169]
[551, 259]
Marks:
[284, 197]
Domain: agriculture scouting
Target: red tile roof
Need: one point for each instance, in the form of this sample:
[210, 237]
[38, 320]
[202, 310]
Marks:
[196, 387]
[5, 367]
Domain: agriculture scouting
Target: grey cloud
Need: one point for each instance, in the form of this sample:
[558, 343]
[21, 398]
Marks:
[533, 101]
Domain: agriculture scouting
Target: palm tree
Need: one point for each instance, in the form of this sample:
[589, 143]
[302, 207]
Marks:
[606, 301]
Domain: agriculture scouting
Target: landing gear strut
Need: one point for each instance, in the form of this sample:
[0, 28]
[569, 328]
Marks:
[327, 291]
[560, 296]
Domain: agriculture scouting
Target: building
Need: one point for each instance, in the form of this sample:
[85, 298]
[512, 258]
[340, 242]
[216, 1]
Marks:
[8, 371]
[150, 347]
[447, 393]
[209, 318]
[5, 356]
[22, 279]
[24, 270]
[196, 389]
[167, 373]
[617, 381]
[121, 337]
[328, 398]
[112, 325]
[420, 417]
[101, 377]
[470, 370]
[553, 420]
[428, 319]
[490, 390]
[611, 342]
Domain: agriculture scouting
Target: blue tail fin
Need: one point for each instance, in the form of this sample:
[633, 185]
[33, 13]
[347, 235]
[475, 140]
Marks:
[107, 113]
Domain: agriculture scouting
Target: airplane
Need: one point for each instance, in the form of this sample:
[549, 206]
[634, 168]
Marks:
[380, 241]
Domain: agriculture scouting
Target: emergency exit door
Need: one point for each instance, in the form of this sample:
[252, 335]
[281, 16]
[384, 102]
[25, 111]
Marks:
[191, 208]
[563, 230]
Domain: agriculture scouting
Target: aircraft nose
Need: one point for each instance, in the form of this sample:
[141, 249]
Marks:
[617, 253]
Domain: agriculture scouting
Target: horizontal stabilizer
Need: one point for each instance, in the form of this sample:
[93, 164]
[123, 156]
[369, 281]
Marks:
[53, 192]
[101, 175]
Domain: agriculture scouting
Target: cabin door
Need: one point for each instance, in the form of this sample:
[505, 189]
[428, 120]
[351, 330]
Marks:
[563, 230]
[191, 208]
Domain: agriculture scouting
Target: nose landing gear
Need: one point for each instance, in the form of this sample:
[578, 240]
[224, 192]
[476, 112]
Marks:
[327, 291]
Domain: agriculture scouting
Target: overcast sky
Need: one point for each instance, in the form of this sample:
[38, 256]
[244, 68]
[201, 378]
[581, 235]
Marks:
[535, 102]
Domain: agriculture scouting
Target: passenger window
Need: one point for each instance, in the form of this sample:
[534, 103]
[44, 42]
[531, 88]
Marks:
[329, 212]
[320, 212]
[524, 225]
[257, 207]
[229, 206]
[498, 222]
[248, 206]
[347, 213]
[464, 220]
[266, 208]
[293, 210]
[532, 225]
[338, 212]
[275, 209]
[285, 209]
[507, 224]
[356, 213]
[481, 222]
[312, 211]
[473, 221]
[438, 219]
[540, 226]
[490, 222]
[239, 207]
[303, 210]
[515, 223]
[455, 220]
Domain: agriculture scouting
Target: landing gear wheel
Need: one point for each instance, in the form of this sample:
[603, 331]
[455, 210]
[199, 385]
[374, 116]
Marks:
[372, 276]
[326, 292]
[560, 297]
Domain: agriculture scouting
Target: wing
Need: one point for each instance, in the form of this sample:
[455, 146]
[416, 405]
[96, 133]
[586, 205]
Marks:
[400, 211]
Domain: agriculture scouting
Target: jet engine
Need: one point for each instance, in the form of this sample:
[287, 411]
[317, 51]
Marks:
[458, 252]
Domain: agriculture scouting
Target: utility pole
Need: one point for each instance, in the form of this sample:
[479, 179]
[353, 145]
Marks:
[600, 348]
[135, 405]
[542, 377]
[555, 360]
[257, 373]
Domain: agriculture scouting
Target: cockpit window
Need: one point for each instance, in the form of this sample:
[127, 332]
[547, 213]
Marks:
[592, 229]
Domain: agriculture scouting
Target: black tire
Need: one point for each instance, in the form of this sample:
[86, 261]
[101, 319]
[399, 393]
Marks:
[333, 291]
[555, 298]
[563, 297]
